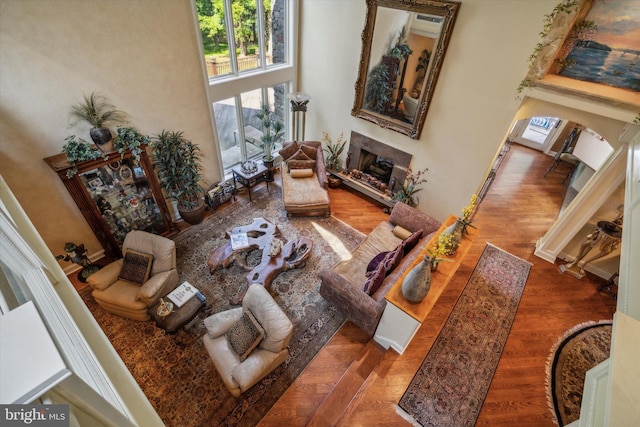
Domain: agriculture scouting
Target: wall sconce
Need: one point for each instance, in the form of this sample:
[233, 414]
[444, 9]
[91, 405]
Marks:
[299, 103]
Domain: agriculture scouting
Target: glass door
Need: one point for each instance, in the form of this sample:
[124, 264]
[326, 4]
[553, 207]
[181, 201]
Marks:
[536, 132]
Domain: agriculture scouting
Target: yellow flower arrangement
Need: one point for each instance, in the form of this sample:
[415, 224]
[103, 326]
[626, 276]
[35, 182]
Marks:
[467, 212]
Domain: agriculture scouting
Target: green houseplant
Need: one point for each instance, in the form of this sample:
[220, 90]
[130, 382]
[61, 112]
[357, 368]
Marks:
[78, 150]
[129, 138]
[334, 151]
[177, 162]
[272, 131]
[96, 110]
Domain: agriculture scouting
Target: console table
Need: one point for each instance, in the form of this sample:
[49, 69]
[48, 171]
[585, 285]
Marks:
[401, 318]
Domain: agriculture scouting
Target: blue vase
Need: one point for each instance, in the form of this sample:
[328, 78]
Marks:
[417, 282]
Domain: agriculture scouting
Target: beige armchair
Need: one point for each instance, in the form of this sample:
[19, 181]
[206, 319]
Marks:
[129, 292]
[271, 348]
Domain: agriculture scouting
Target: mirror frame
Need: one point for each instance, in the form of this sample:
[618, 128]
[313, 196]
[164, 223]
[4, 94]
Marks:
[449, 11]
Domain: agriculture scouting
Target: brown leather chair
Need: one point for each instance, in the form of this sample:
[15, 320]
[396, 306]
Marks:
[127, 298]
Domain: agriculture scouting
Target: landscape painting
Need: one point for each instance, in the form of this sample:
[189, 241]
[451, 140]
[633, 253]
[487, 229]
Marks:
[604, 48]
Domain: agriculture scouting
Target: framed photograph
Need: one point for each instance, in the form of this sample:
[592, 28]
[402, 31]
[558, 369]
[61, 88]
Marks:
[95, 183]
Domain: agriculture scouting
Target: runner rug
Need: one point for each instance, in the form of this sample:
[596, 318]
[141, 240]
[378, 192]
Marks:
[175, 371]
[451, 384]
[580, 348]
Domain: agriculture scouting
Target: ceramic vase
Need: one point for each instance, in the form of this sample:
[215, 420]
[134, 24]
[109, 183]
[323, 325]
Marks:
[417, 282]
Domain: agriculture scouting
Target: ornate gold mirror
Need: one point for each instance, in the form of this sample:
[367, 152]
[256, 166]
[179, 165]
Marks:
[403, 47]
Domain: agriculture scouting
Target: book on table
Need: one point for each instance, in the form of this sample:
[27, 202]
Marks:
[183, 293]
[239, 241]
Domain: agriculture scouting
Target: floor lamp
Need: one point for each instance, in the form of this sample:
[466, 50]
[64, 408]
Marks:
[299, 103]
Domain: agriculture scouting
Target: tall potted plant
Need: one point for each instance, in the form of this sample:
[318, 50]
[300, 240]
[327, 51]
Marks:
[177, 162]
[97, 111]
[272, 132]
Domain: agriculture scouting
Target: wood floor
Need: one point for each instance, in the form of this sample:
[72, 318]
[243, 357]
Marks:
[519, 208]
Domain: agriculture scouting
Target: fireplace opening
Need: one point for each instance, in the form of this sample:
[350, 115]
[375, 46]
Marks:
[376, 166]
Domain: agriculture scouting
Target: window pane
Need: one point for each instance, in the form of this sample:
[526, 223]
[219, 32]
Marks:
[214, 37]
[252, 103]
[228, 137]
[245, 29]
[276, 31]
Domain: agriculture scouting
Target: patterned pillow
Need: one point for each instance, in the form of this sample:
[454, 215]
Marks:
[393, 258]
[245, 335]
[288, 150]
[136, 266]
[301, 164]
[375, 280]
[411, 241]
[373, 264]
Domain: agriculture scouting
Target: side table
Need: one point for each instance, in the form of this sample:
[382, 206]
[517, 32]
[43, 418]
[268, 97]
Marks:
[250, 179]
[180, 316]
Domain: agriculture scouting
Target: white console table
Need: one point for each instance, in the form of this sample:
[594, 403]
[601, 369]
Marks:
[401, 318]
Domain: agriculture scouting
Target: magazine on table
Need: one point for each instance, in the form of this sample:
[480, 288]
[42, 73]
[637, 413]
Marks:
[183, 293]
[239, 241]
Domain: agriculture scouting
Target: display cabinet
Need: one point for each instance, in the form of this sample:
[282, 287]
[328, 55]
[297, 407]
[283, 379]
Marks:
[116, 195]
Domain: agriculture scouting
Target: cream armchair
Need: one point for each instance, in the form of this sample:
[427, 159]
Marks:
[127, 298]
[271, 351]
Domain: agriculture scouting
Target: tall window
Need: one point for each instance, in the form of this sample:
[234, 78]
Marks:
[249, 62]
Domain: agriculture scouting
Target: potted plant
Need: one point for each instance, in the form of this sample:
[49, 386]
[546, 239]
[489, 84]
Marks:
[407, 192]
[272, 132]
[97, 111]
[78, 150]
[177, 162]
[334, 151]
[129, 138]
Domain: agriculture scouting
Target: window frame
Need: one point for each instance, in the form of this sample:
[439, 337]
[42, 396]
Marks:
[233, 85]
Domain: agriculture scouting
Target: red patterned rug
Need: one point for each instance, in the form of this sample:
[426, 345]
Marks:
[175, 372]
[580, 348]
[451, 384]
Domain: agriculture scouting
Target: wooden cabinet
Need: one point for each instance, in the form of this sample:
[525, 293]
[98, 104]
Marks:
[115, 196]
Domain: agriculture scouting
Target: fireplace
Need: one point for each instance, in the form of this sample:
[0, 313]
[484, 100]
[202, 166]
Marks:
[374, 168]
[387, 164]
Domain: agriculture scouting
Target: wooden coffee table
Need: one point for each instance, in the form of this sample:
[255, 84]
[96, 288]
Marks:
[179, 317]
[261, 234]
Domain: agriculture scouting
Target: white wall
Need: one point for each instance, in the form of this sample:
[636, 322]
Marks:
[474, 100]
[142, 54]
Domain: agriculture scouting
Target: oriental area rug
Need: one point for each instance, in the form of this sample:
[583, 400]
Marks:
[175, 371]
[451, 384]
[580, 348]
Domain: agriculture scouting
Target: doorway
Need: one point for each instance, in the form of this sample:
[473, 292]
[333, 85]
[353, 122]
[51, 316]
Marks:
[539, 132]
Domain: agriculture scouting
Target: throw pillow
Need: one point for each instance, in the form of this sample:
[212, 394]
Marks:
[136, 266]
[311, 152]
[288, 150]
[374, 281]
[301, 173]
[411, 241]
[245, 335]
[400, 232]
[301, 164]
[373, 264]
[298, 155]
[393, 258]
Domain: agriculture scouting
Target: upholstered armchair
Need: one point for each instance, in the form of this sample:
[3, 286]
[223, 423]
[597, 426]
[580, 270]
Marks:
[246, 343]
[129, 286]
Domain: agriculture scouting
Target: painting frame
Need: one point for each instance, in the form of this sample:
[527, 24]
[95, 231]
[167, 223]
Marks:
[555, 76]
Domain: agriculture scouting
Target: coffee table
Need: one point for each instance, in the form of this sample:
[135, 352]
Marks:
[179, 317]
[277, 255]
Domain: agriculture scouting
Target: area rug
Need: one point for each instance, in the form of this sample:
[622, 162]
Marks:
[451, 384]
[175, 372]
[580, 348]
